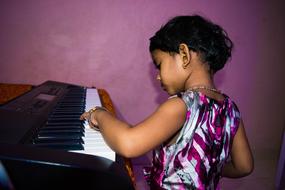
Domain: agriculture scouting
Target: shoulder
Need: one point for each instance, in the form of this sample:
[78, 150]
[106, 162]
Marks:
[173, 104]
[186, 99]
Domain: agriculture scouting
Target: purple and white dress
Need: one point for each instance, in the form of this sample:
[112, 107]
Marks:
[196, 160]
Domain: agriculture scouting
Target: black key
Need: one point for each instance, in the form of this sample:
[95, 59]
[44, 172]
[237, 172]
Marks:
[65, 116]
[47, 134]
[62, 128]
[70, 124]
[62, 119]
[61, 132]
[68, 112]
[57, 140]
[58, 136]
[62, 146]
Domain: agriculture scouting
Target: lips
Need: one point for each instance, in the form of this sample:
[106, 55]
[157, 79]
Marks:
[162, 86]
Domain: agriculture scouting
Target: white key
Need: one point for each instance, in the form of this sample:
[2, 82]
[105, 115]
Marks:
[92, 98]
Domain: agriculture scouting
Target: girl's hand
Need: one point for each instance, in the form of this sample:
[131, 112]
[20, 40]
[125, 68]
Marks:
[89, 117]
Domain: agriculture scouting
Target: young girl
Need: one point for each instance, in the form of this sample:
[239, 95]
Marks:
[198, 134]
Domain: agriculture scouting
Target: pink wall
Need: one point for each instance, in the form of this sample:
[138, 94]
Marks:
[105, 44]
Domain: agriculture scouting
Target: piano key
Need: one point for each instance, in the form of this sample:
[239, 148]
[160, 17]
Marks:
[55, 124]
[76, 106]
[62, 119]
[38, 141]
[68, 111]
[67, 114]
[62, 145]
[59, 138]
[58, 135]
[92, 99]
[61, 132]
[58, 127]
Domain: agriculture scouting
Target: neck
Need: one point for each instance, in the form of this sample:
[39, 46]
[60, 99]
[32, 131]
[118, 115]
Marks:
[203, 88]
[201, 78]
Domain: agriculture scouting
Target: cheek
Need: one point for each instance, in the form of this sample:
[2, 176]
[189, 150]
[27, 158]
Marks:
[163, 75]
[167, 81]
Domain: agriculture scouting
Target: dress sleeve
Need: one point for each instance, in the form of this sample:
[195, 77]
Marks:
[235, 120]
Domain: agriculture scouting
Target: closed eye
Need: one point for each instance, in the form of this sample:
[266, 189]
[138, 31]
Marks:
[157, 66]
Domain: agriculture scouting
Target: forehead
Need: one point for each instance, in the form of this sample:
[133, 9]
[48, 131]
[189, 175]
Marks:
[158, 54]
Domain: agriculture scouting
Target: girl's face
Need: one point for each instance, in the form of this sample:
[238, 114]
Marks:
[171, 72]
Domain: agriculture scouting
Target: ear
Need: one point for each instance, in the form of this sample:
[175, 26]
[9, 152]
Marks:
[185, 55]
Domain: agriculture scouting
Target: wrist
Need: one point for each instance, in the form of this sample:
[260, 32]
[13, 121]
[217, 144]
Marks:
[92, 115]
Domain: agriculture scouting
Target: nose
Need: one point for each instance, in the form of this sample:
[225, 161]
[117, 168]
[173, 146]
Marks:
[158, 77]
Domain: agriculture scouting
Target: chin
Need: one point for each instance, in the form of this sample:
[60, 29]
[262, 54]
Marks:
[170, 92]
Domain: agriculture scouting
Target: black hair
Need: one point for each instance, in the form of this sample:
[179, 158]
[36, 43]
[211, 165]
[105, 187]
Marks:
[201, 35]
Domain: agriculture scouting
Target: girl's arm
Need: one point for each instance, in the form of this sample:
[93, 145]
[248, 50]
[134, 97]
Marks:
[241, 163]
[133, 141]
